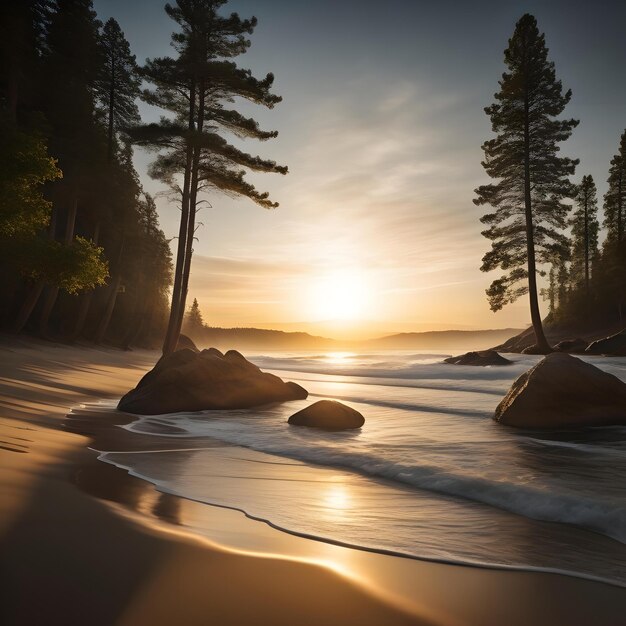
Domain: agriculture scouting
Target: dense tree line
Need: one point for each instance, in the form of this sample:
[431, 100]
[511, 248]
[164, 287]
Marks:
[591, 290]
[82, 255]
[531, 231]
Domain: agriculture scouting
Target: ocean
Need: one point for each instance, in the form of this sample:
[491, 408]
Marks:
[430, 475]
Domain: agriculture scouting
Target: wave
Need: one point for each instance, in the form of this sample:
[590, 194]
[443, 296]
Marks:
[537, 503]
[433, 369]
[450, 559]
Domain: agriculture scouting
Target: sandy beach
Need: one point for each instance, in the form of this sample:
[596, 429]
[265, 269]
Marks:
[84, 543]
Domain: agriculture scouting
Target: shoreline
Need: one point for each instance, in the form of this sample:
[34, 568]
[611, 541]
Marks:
[441, 593]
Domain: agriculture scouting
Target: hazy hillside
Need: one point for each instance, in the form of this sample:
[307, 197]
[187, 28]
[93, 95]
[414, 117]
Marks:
[261, 339]
[444, 340]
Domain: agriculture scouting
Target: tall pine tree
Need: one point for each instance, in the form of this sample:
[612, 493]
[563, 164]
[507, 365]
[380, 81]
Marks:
[118, 85]
[195, 87]
[525, 228]
[585, 229]
[615, 197]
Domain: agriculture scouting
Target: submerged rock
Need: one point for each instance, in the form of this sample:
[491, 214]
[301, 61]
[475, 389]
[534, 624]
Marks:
[562, 390]
[577, 345]
[480, 358]
[328, 415]
[615, 345]
[196, 381]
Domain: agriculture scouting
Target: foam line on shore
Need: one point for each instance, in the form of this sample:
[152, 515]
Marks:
[447, 561]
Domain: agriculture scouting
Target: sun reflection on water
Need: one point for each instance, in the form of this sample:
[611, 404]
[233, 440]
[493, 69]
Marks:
[338, 358]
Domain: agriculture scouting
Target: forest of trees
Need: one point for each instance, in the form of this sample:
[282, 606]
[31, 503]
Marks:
[82, 255]
[531, 228]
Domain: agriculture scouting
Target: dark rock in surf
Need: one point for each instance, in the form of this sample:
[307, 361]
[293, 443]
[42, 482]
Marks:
[196, 381]
[328, 415]
[481, 358]
[577, 345]
[562, 390]
[615, 345]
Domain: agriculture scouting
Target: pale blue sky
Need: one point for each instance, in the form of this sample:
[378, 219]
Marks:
[381, 127]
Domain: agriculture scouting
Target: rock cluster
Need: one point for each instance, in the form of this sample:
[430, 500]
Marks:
[196, 381]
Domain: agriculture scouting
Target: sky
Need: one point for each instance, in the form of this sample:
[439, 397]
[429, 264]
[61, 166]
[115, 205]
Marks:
[381, 126]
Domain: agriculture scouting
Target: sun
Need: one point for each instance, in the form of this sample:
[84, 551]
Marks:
[339, 295]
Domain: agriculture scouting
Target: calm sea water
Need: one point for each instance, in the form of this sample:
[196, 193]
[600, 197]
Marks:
[430, 474]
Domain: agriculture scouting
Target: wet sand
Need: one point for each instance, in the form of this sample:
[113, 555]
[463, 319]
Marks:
[84, 543]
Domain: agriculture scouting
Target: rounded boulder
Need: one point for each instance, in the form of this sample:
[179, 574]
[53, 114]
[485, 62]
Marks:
[328, 415]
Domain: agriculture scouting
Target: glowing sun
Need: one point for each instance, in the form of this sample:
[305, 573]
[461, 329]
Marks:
[340, 295]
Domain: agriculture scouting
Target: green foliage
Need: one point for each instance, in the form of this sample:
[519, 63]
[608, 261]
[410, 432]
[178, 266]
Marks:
[532, 180]
[76, 267]
[24, 167]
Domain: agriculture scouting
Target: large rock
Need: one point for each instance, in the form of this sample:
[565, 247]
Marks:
[577, 345]
[328, 415]
[562, 390]
[189, 381]
[480, 358]
[615, 345]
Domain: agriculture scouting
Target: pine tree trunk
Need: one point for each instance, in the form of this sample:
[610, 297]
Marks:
[86, 298]
[111, 112]
[191, 226]
[105, 320]
[620, 227]
[27, 307]
[108, 311]
[53, 292]
[171, 336]
[35, 292]
[587, 249]
[535, 315]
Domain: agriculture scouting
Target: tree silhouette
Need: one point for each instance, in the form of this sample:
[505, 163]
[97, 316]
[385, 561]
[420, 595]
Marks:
[615, 197]
[118, 84]
[532, 180]
[585, 229]
[197, 88]
[193, 318]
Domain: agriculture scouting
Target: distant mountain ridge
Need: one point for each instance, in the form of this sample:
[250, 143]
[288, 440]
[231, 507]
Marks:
[264, 339]
[440, 339]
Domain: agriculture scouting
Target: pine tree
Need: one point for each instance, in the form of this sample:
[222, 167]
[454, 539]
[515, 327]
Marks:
[193, 320]
[585, 229]
[615, 197]
[118, 85]
[195, 87]
[533, 181]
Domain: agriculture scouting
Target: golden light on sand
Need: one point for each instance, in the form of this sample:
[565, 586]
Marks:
[339, 295]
